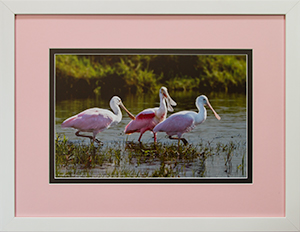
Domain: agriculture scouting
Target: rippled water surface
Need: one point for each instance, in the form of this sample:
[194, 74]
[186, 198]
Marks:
[231, 128]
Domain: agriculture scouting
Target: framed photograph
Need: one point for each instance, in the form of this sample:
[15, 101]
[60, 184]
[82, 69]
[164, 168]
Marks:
[59, 177]
[222, 155]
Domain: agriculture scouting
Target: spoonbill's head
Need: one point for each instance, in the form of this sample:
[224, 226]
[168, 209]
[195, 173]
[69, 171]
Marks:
[116, 101]
[163, 92]
[203, 100]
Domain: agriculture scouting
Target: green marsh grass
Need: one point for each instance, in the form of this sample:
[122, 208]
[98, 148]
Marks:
[131, 159]
[83, 75]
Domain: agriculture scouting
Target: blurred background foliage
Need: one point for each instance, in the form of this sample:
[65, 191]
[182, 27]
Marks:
[86, 75]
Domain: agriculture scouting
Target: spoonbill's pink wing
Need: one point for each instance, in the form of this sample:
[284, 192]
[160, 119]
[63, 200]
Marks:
[143, 120]
[90, 120]
[176, 123]
[146, 114]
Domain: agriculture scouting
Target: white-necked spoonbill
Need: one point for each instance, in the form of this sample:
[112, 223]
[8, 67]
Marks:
[185, 121]
[96, 120]
[149, 118]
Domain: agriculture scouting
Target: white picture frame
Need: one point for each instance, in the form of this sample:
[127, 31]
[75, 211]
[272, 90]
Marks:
[9, 8]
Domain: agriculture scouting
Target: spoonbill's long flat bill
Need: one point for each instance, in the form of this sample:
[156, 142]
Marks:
[185, 121]
[149, 118]
[96, 120]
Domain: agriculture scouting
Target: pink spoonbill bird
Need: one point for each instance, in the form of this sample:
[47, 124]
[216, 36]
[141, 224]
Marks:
[96, 120]
[149, 118]
[185, 121]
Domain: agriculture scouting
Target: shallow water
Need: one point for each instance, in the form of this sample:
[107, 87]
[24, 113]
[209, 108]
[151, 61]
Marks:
[231, 127]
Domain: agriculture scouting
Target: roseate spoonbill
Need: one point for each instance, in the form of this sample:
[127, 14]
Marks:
[96, 120]
[185, 121]
[149, 118]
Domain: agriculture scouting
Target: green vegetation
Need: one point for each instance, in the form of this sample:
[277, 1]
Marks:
[128, 159]
[82, 75]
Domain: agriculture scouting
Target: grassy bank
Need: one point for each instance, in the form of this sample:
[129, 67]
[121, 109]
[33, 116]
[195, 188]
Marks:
[128, 159]
[84, 75]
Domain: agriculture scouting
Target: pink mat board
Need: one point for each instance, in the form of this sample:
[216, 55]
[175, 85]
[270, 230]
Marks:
[35, 35]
